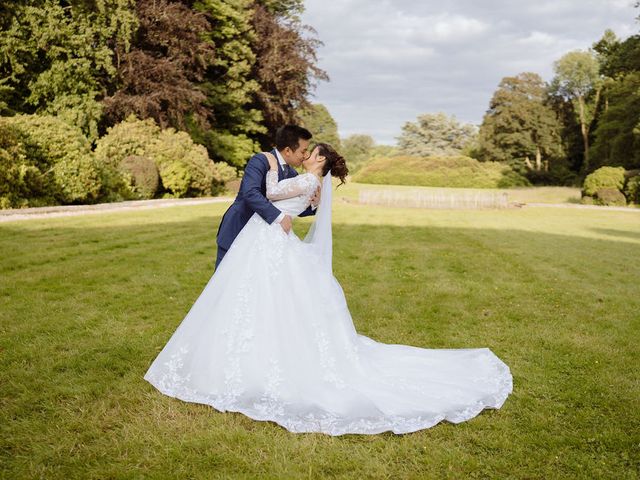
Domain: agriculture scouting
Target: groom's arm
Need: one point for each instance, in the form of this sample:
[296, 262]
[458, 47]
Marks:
[313, 208]
[254, 173]
[309, 211]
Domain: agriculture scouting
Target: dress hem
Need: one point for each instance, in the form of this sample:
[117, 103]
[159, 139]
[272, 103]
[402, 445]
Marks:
[333, 425]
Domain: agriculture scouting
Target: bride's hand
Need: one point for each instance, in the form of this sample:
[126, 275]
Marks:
[273, 163]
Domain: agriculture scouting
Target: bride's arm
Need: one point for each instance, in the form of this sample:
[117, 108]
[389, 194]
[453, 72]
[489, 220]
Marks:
[287, 188]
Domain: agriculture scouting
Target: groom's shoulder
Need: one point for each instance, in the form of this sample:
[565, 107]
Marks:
[258, 158]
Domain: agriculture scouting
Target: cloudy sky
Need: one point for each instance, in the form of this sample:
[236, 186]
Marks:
[390, 61]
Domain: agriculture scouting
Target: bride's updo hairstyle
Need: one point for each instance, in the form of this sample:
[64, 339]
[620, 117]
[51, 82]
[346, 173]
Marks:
[334, 162]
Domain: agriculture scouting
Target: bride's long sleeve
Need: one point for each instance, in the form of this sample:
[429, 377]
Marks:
[287, 188]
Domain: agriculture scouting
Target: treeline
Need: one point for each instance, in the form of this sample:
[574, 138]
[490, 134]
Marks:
[587, 117]
[555, 132]
[226, 72]
[561, 132]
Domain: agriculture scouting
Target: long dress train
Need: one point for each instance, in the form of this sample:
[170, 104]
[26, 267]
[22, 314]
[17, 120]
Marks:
[271, 336]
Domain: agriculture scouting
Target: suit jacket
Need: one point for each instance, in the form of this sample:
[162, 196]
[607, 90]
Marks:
[252, 199]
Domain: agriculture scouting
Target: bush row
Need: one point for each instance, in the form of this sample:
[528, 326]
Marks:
[46, 161]
[446, 171]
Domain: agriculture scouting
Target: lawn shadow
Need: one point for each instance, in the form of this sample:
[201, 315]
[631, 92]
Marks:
[617, 233]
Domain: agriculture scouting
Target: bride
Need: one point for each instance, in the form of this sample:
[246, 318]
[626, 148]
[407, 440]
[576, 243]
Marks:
[271, 336]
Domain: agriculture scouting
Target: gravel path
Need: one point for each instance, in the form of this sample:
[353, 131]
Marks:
[73, 210]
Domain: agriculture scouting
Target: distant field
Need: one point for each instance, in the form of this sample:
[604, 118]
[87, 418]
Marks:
[521, 194]
[88, 302]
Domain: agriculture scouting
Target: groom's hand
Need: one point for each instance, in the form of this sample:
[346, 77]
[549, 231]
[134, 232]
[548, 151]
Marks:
[315, 200]
[286, 223]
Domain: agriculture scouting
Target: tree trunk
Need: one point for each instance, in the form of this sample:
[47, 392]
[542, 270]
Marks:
[585, 133]
[538, 159]
[528, 163]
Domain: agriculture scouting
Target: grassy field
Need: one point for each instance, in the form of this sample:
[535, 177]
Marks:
[88, 302]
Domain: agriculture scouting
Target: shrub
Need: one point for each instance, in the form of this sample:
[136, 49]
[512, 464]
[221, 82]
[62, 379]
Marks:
[184, 167]
[21, 181]
[129, 137]
[58, 166]
[454, 171]
[142, 174]
[632, 189]
[604, 177]
[610, 197]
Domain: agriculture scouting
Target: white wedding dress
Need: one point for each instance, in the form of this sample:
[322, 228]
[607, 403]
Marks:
[271, 337]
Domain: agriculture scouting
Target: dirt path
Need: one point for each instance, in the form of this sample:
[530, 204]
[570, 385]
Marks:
[74, 210]
[583, 207]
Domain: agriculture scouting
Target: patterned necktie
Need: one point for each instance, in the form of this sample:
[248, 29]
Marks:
[287, 170]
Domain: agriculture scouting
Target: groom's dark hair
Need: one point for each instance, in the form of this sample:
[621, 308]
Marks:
[290, 135]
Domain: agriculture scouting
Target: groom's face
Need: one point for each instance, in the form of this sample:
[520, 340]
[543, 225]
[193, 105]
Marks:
[297, 156]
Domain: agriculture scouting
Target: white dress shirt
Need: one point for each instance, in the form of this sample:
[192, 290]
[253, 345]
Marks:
[282, 165]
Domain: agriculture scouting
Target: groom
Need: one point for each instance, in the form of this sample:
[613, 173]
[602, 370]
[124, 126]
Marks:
[292, 147]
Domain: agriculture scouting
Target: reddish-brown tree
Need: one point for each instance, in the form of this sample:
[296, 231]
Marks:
[158, 77]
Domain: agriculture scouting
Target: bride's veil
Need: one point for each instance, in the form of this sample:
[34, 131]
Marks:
[320, 236]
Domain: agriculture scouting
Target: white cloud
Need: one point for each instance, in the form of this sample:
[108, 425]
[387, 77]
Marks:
[391, 61]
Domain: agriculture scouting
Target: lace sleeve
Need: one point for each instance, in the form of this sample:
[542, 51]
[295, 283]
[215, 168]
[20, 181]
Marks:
[289, 187]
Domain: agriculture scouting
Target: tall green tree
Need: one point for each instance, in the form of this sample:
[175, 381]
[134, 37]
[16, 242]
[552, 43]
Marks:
[227, 82]
[286, 64]
[435, 134]
[57, 57]
[617, 134]
[617, 57]
[520, 128]
[578, 79]
[317, 119]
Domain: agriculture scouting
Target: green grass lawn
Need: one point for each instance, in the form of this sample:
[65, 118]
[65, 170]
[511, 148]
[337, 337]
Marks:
[87, 303]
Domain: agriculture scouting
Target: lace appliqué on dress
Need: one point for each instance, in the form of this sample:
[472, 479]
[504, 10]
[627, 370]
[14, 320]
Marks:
[301, 185]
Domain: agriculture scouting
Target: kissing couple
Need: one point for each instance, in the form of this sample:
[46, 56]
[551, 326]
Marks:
[271, 335]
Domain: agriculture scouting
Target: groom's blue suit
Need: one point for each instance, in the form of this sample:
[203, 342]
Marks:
[251, 199]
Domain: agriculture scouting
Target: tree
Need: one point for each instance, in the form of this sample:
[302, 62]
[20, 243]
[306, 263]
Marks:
[617, 131]
[57, 57]
[617, 136]
[227, 83]
[357, 150]
[520, 126]
[158, 78]
[317, 119]
[578, 79]
[285, 66]
[435, 134]
[617, 57]
[227, 71]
